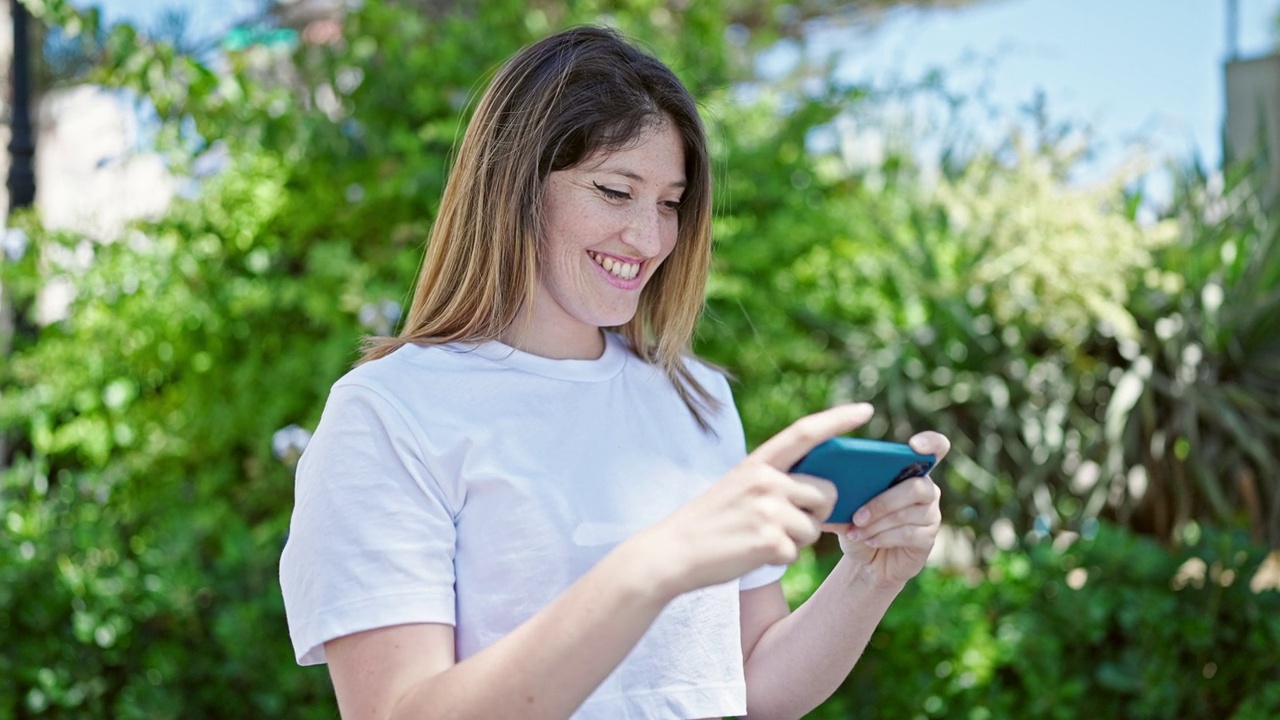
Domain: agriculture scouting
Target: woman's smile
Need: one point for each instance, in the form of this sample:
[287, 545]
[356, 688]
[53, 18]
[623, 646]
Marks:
[622, 273]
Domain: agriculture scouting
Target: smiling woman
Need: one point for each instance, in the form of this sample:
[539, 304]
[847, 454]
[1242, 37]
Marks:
[581, 99]
[535, 501]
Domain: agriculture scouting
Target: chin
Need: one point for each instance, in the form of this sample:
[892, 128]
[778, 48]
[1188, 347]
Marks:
[613, 319]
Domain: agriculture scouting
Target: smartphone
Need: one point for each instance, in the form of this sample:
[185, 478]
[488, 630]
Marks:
[861, 469]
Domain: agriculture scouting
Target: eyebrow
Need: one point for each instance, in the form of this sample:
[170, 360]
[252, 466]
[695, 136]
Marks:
[637, 177]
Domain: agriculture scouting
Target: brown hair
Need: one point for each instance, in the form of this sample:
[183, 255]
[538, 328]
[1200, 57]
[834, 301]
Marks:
[551, 106]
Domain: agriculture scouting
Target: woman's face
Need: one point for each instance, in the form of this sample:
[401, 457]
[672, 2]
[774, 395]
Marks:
[610, 221]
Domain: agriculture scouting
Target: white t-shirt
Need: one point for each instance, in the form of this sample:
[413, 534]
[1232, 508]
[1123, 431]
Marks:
[471, 484]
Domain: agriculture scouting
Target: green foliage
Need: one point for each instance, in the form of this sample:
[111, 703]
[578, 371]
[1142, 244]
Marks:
[985, 306]
[147, 504]
[1084, 365]
[1196, 416]
[1115, 626]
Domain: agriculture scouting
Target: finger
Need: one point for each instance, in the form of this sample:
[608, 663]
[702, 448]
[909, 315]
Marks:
[930, 443]
[923, 515]
[800, 526]
[787, 447]
[918, 537]
[915, 491]
[809, 532]
[814, 495]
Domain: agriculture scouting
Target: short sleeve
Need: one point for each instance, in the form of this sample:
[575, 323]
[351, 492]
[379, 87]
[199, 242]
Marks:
[372, 536]
[761, 576]
[732, 434]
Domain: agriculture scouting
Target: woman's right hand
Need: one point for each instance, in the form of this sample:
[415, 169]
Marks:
[757, 514]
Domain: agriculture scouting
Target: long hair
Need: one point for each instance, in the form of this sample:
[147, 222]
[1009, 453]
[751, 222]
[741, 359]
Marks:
[551, 106]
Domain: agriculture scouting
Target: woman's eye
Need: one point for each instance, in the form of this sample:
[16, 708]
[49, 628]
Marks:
[672, 205]
[611, 193]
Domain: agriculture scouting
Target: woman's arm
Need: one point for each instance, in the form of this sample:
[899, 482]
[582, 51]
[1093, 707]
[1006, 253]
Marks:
[799, 659]
[545, 668]
[755, 515]
[795, 661]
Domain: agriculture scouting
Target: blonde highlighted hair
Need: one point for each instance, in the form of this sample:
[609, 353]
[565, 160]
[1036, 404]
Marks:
[550, 107]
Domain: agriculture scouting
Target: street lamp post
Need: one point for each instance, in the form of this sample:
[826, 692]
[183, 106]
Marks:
[22, 176]
[22, 146]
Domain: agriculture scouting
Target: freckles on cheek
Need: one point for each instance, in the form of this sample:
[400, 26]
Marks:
[671, 245]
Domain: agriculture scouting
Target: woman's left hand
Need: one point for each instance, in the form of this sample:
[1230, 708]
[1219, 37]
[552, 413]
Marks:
[893, 534]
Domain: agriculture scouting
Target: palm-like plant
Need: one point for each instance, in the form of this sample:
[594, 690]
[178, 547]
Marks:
[1194, 425]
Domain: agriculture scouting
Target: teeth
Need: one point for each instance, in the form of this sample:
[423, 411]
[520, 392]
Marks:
[626, 271]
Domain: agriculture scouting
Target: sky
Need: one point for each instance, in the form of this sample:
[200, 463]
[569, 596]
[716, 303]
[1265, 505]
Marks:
[1131, 69]
[1149, 70]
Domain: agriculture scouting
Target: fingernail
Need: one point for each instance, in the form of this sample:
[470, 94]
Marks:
[873, 543]
[862, 516]
[865, 410]
[853, 534]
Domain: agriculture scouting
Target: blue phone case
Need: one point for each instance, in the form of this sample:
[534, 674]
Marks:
[861, 469]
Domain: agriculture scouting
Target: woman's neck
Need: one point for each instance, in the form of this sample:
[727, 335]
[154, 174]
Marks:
[584, 343]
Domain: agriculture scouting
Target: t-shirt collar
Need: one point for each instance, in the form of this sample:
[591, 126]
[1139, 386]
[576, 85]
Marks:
[608, 365]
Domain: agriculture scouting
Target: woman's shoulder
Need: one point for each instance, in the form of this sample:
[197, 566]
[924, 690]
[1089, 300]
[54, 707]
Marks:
[412, 366]
[393, 365]
[708, 374]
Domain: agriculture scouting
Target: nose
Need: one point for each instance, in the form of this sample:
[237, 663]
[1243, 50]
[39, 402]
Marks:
[644, 231]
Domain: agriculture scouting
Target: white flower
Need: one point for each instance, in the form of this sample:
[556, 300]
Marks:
[14, 243]
[288, 443]
[368, 315]
[380, 317]
[391, 311]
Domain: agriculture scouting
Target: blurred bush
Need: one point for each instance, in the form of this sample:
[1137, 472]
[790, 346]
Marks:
[1117, 626]
[1083, 363]
[1195, 418]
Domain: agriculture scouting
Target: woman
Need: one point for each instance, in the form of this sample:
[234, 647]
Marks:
[509, 511]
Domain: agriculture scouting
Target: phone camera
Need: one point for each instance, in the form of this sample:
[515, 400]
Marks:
[915, 469]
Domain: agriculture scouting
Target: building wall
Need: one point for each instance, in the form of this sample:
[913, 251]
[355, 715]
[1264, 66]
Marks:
[1253, 114]
[92, 175]
[93, 178]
